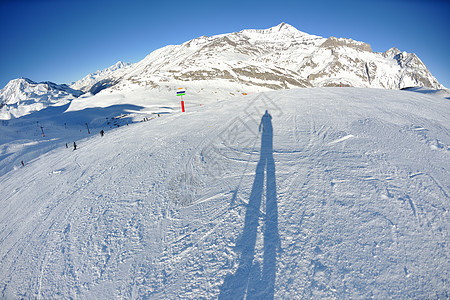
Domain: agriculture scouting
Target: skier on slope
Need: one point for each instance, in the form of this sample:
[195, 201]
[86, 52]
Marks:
[74, 146]
[102, 132]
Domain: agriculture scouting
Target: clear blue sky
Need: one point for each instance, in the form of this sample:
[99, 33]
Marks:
[64, 40]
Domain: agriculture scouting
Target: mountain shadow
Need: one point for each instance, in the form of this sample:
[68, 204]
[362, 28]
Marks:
[251, 280]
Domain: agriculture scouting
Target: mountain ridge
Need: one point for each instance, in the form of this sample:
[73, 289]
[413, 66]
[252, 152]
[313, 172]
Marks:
[305, 61]
[251, 60]
[22, 96]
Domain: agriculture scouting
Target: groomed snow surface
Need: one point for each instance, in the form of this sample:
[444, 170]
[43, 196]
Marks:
[331, 193]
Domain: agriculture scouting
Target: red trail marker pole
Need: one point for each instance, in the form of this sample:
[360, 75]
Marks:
[181, 92]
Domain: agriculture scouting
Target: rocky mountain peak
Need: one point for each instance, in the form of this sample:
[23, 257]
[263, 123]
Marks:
[284, 27]
[391, 53]
[275, 58]
[280, 57]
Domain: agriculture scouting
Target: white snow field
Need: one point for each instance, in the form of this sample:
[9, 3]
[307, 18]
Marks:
[342, 193]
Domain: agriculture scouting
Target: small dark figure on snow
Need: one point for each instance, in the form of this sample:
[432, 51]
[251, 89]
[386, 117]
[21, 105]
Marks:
[102, 132]
[74, 146]
[67, 146]
[22, 163]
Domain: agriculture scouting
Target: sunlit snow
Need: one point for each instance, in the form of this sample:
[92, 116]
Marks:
[331, 193]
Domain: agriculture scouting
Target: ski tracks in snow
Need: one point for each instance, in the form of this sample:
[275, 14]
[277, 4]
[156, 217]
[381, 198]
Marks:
[161, 209]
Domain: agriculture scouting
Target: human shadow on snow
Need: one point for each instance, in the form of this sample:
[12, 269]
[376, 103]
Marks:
[250, 280]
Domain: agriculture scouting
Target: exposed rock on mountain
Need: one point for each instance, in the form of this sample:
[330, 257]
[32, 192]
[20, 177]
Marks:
[280, 57]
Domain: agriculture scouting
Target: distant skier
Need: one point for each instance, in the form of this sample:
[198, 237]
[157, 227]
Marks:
[74, 146]
[22, 163]
[67, 146]
[102, 132]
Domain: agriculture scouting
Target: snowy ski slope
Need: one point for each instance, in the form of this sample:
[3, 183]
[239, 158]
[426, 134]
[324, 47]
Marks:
[333, 193]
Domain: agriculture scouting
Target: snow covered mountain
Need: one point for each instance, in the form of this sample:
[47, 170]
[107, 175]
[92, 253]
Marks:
[22, 96]
[93, 82]
[333, 193]
[248, 61]
[280, 57]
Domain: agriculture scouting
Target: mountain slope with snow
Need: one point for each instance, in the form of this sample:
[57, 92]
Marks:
[22, 96]
[331, 193]
[248, 61]
[99, 80]
[280, 57]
